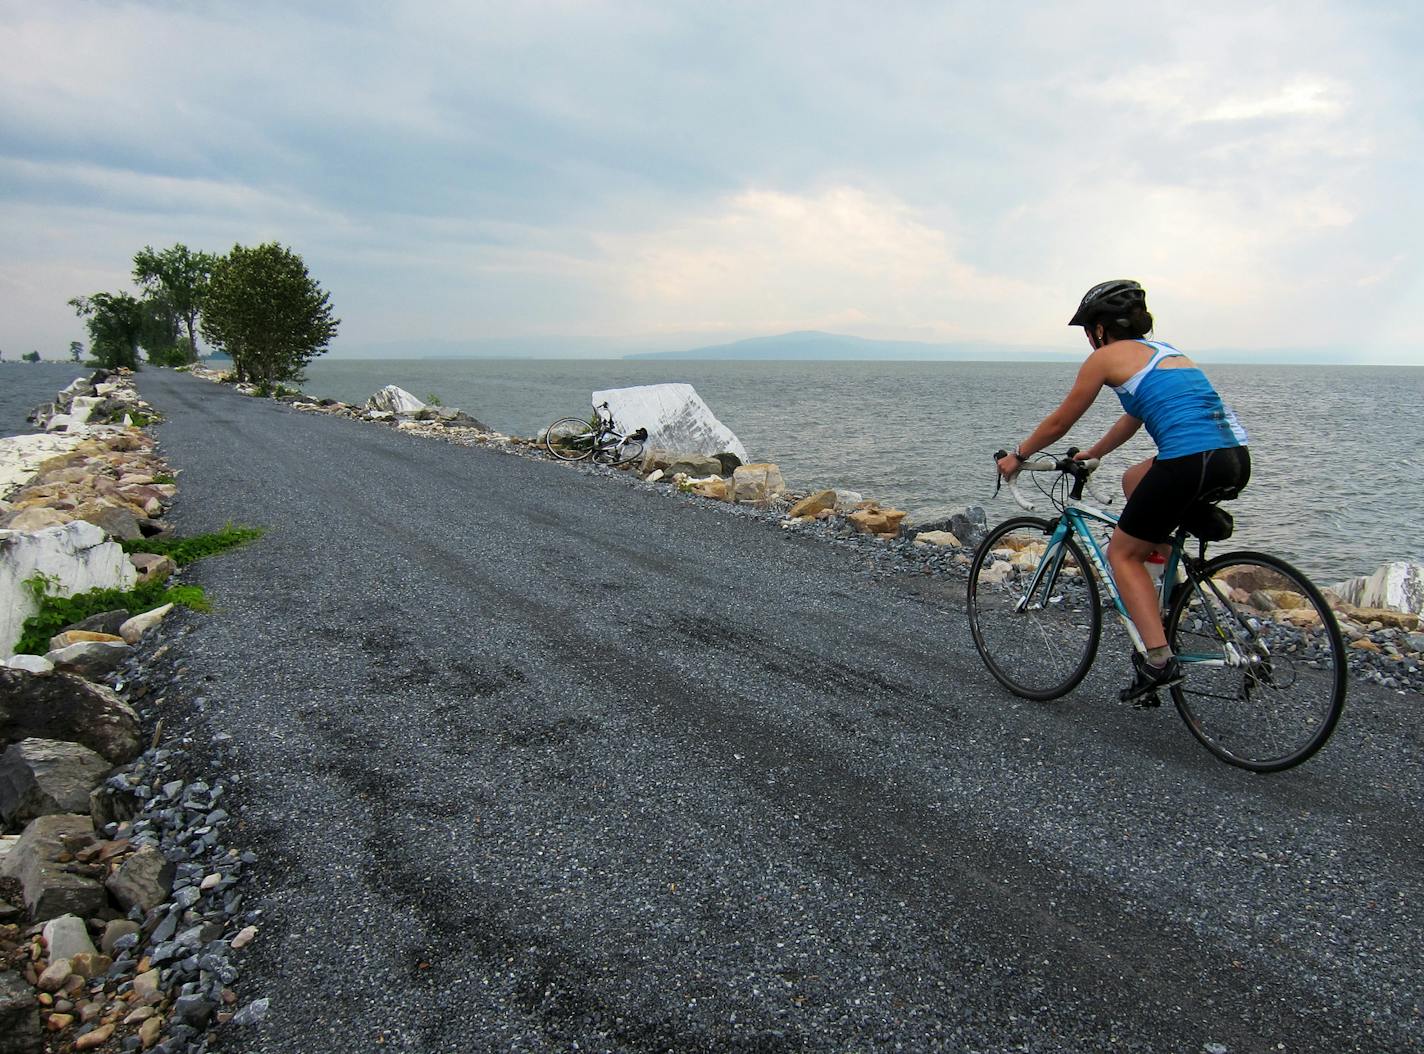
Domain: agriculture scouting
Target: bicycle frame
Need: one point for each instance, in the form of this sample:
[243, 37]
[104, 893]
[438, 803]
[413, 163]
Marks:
[1074, 520]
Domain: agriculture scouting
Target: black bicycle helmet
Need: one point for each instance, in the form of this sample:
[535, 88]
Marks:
[1113, 300]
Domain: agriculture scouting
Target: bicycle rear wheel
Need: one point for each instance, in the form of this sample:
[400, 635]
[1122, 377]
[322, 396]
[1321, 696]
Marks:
[1037, 632]
[570, 439]
[1264, 660]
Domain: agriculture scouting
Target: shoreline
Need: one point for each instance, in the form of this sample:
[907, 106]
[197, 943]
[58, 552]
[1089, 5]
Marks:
[1384, 647]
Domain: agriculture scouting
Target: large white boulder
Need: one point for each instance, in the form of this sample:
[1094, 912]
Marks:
[81, 409]
[394, 400]
[75, 558]
[1398, 586]
[675, 416]
[21, 456]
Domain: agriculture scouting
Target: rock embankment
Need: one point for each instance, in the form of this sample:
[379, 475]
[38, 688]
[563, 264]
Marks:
[119, 920]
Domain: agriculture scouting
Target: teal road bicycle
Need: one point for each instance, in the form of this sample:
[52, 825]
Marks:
[1262, 653]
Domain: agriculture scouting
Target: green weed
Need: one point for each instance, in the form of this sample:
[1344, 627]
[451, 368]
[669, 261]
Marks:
[183, 551]
[55, 613]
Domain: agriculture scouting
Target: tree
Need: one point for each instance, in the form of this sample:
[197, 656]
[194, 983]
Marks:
[268, 313]
[76, 351]
[115, 322]
[179, 278]
[31, 356]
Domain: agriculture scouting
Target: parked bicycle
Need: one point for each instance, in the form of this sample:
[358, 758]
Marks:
[1263, 656]
[577, 439]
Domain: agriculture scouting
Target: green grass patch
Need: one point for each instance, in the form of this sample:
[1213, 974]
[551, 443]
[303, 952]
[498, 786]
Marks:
[56, 613]
[183, 551]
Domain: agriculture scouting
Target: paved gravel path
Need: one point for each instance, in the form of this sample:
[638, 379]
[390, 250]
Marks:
[538, 760]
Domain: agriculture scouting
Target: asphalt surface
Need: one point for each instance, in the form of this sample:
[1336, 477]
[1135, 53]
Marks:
[537, 759]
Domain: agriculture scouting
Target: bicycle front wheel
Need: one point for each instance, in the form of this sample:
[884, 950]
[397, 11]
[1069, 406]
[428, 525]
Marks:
[570, 439]
[1033, 609]
[619, 453]
[1264, 660]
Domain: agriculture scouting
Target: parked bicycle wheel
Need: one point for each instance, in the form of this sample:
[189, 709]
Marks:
[570, 439]
[1264, 659]
[1033, 611]
[619, 453]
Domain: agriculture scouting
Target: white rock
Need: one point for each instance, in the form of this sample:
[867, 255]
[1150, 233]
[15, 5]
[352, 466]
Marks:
[76, 558]
[67, 936]
[134, 628]
[1398, 586]
[394, 400]
[35, 664]
[674, 415]
[20, 456]
[82, 408]
[848, 499]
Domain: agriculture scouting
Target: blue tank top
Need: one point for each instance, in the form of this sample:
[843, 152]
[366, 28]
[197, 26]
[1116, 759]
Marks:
[1182, 411]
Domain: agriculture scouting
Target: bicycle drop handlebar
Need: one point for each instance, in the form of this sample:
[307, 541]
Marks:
[1081, 471]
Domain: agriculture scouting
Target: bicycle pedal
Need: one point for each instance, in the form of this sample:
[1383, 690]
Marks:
[1150, 701]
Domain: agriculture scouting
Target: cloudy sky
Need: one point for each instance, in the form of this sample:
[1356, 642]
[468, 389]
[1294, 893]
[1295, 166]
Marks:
[683, 173]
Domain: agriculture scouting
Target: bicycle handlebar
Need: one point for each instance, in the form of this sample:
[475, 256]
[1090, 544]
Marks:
[1067, 464]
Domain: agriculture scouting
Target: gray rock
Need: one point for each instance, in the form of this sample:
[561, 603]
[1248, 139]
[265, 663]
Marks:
[193, 1010]
[19, 1016]
[104, 622]
[66, 937]
[252, 1013]
[119, 524]
[90, 659]
[729, 462]
[43, 776]
[969, 524]
[65, 707]
[697, 466]
[50, 888]
[109, 805]
[114, 931]
[143, 880]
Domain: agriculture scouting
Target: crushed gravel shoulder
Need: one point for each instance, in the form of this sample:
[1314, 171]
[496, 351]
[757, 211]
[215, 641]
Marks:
[534, 759]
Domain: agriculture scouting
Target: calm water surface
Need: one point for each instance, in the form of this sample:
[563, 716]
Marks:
[1338, 477]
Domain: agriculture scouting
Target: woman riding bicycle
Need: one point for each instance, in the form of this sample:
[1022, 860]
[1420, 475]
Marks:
[1201, 452]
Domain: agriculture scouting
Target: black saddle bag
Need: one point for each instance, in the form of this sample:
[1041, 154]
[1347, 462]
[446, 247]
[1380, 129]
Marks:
[1210, 523]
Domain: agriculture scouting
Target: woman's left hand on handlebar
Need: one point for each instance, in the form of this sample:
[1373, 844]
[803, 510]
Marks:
[1008, 466]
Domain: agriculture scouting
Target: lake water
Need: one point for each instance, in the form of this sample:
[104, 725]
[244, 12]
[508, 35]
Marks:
[1338, 476]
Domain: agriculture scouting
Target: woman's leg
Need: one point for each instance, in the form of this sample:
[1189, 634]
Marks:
[1133, 476]
[1127, 555]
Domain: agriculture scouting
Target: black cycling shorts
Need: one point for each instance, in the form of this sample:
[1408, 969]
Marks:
[1171, 487]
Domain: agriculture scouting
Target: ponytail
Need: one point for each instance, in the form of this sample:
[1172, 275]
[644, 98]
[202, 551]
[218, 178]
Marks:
[1137, 323]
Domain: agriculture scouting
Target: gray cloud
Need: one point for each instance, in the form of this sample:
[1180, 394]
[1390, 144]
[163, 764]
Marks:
[463, 171]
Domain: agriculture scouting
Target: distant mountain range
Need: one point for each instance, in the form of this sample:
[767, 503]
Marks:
[808, 345]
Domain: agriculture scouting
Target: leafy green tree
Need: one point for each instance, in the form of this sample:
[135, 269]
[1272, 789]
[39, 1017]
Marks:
[76, 351]
[116, 323]
[162, 339]
[31, 356]
[178, 278]
[268, 313]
